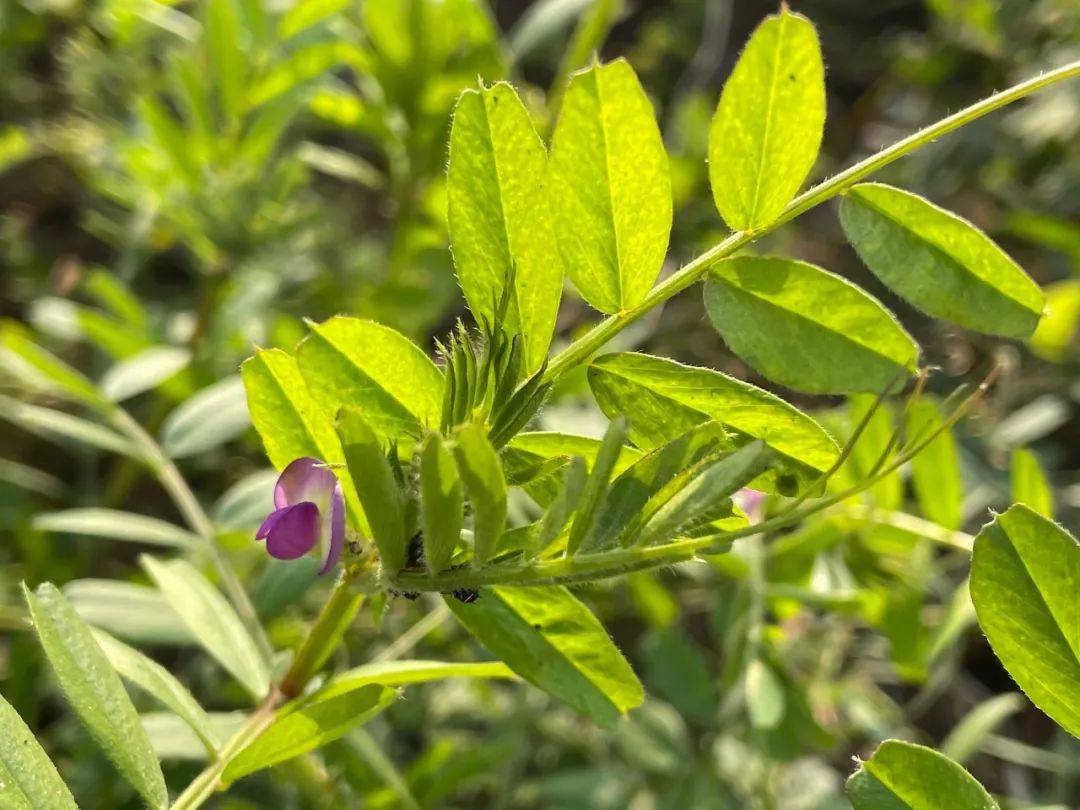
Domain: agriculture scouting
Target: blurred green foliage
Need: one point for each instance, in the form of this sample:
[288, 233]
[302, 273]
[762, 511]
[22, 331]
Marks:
[200, 176]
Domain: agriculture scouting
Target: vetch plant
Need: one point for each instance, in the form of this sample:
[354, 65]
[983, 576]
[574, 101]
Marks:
[400, 467]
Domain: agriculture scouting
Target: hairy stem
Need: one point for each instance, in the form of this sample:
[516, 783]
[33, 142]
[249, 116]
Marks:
[606, 564]
[693, 271]
[204, 785]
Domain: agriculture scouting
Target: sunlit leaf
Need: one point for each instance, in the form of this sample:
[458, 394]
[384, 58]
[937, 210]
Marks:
[1025, 575]
[612, 185]
[903, 776]
[95, 692]
[378, 491]
[1029, 484]
[442, 502]
[767, 129]
[116, 525]
[368, 366]
[485, 484]
[28, 779]
[806, 328]
[500, 216]
[596, 485]
[939, 262]
[211, 620]
[935, 471]
[57, 425]
[307, 725]
[668, 399]
[291, 423]
[132, 612]
[158, 682]
[211, 417]
[552, 640]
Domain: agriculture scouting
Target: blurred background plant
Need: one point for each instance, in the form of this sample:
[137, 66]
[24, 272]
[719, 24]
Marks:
[182, 181]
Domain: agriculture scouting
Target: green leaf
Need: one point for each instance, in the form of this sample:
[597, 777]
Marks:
[28, 362]
[173, 739]
[562, 507]
[307, 725]
[480, 469]
[703, 495]
[500, 216]
[442, 503]
[28, 779]
[116, 525]
[246, 503]
[935, 472]
[143, 371]
[597, 484]
[292, 424]
[669, 399]
[874, 443]
[767, 129]
[904, 776]
[611, 179]
[1029, 485]
[95, 692]
[1025, 575]
[378, 490]
[553, 641]
[764, 694]
[57, 425]
[209, 418]
[969, 734]
[211, 620]
[228, 64]
[158, 682]
[401, 673]
[133, 612]
[1056, 332]
[307, 13]
[363, 364]
[939, 262]
[806, 328]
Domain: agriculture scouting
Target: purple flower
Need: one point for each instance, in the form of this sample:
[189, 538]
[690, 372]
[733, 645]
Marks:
[310, 512]
[750, 501]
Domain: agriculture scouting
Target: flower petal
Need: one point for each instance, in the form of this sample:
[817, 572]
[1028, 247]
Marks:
[336, 526]
[305, 479]
[269, 523]
[295, 532]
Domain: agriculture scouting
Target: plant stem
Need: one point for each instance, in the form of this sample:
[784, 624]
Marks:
[204, 785]
[580, 350]
[197, 519]
[606, 564]
[336, 616]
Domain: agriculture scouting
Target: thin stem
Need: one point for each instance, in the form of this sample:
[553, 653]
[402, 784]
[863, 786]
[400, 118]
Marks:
[204, 785]
[199, 522]
[601, 333]
[337, 614]
[411, 637]
[602, 565]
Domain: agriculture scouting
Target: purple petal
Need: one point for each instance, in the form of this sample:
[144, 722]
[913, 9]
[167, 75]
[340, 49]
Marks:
[305, 479]
[269, 523]
[336, 525]
[295, 532]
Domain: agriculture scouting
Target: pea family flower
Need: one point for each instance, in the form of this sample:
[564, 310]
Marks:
[310, 512]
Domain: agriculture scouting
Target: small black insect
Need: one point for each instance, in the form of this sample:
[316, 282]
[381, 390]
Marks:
[414, 554]
[466, 595]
